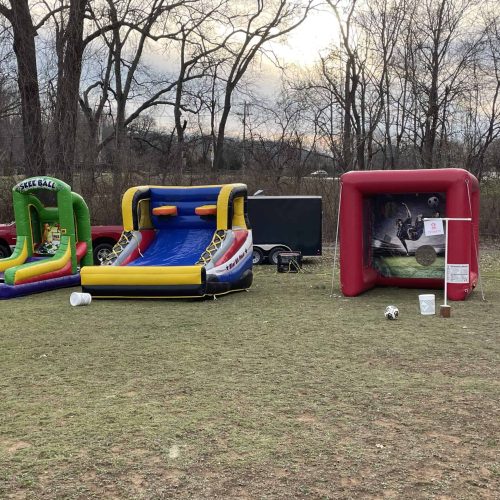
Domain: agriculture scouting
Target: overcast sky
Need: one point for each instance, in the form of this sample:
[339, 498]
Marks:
[301, 49]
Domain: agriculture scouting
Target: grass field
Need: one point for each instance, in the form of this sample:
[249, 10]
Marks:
[281, 392]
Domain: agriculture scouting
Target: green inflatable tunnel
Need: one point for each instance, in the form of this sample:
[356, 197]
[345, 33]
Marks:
[53, 238]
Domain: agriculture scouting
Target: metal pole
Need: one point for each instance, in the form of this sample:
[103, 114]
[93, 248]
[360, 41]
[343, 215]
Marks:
[446, 228]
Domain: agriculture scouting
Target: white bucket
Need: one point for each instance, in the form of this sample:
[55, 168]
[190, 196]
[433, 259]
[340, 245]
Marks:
[80, 299]
[427, 303]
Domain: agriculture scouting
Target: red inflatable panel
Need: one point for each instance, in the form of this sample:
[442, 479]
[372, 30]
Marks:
[381, 229]
[147, 237]
[240, 236]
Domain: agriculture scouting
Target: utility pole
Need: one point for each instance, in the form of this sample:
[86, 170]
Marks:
[100, 127]
[244, 115]
[211, 153]
[244, 136]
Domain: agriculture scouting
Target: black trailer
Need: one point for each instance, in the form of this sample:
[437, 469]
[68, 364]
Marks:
[285, 223]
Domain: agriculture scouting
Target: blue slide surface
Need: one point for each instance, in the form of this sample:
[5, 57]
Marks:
[176, 247]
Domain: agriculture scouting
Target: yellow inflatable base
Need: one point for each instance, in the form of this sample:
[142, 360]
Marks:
[142, 275]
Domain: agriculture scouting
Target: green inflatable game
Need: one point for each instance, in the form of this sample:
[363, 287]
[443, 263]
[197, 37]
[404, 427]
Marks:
[53, 238]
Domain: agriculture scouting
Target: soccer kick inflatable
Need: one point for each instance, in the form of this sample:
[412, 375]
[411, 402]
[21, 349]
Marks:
[178, 242]
[53, 238]
[382, 230]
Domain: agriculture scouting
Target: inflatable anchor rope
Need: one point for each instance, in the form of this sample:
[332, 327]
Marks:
[293, 264]
[296, 266]
[230, 291]
[336, 242]
[138, 244]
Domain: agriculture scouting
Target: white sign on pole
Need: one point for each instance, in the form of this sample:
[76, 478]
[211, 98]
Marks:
[458, 273]
[433, 227]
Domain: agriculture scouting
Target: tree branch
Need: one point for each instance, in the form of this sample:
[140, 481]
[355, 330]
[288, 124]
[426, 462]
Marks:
[5, 12]
[48, 16]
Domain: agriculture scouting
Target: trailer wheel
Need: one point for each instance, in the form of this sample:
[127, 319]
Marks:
[257, 256]
[273, 255]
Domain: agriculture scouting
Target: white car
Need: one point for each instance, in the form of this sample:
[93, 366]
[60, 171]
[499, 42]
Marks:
[319, 173]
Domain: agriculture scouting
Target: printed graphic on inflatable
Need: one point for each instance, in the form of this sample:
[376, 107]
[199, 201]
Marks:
[178, 242]
[399, 245]
[53, 238]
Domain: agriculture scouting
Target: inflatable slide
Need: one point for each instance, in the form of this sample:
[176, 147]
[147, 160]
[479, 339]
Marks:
[53, 238]
[178, 242]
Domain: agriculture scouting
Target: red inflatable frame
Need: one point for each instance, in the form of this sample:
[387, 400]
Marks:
[462, 200]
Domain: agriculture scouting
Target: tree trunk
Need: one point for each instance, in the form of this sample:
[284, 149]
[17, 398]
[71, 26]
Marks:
[219, 145]
[87, 171]
[68, 91]
[179, 128]
[346, 126]
[431, 124]
[25, 50]
[432, 111]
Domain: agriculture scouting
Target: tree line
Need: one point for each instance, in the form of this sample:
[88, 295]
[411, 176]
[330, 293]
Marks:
[90, 58]
[404, 84]
[411, 83]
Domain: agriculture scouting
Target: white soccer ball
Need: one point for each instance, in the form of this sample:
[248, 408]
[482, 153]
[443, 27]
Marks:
[433, 202]
[391, 312]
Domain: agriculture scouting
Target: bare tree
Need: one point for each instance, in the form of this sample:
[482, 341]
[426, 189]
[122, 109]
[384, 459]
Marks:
[382, 22]
[24, 31]
[9, 107]
[482, 104]
[270, 20]
[441, 61]
[70, 44]
[126, 77]
[281, 139]
[396, 81]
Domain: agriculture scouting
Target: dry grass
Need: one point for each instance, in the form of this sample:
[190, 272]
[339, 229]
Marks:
[282, 392]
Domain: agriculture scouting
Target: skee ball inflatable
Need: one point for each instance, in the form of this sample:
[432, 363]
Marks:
[53, 238]
[178, 242]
